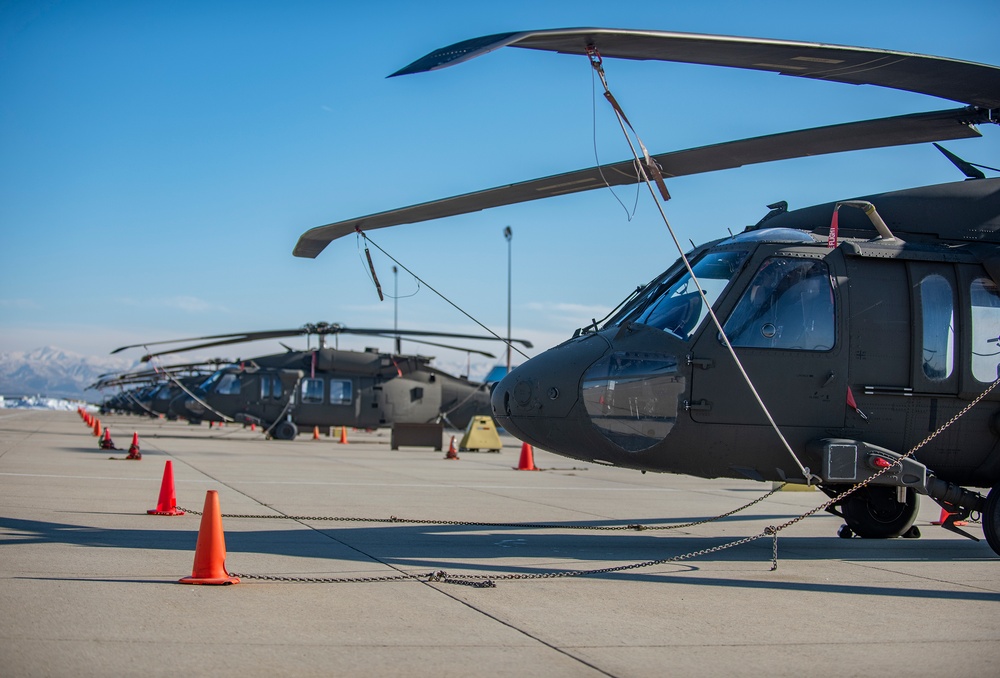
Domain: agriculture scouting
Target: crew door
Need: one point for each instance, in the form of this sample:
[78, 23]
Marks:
[787, 328]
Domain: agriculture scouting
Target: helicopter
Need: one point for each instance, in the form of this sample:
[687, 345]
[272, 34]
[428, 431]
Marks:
[152, 390]
[853, 344]
[325, 386]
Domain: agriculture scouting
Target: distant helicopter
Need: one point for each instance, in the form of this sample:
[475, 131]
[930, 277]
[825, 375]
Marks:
[151, 391]
[862, 332]
[289, 391]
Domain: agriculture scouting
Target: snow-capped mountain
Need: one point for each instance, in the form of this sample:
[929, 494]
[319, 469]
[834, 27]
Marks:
[55, 373]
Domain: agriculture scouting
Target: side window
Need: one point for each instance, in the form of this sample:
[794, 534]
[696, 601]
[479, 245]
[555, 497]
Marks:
[788, 305]
[938, 311]
[340, 392]
[270, 386]
[312, 391]
[985, 329]
[229, 384]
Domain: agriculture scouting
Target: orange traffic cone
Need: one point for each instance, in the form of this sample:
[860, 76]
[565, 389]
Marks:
[343, 435]
[106, 442]
[133, 449]
[210, 551]
[167, 505]
[253, 426]
[315, 432]
[527, 461]
[211, 423]
[944, 516]
[97, 428]
[452, 451]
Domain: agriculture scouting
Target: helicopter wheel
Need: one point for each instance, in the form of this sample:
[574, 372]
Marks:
[991, 519]
[286, 430]
[874, 513]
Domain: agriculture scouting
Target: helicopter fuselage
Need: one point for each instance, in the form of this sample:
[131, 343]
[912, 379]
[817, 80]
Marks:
[905, 330]
[332, 387]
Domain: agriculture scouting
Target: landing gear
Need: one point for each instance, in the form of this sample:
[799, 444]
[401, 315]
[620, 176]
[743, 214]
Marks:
[991, 519]
[873, 512]
[285, 430]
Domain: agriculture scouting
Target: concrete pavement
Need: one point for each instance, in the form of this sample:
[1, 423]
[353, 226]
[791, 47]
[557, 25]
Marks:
[88, 579]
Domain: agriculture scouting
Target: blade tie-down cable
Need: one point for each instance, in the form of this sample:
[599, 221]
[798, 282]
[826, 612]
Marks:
[651, 173]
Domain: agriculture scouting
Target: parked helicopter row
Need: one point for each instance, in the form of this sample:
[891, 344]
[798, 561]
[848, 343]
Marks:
[150, 391]
[295, 390]
[864, 332]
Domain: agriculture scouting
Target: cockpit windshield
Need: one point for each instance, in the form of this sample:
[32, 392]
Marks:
[207, 384]
[674, 304]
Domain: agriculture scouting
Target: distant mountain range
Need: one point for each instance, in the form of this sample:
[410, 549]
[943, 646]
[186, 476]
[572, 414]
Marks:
[55, 373]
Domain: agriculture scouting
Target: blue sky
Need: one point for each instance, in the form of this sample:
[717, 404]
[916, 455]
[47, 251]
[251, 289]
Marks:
[158, 160]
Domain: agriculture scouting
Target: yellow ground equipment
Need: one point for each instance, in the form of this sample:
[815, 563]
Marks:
[481, 434]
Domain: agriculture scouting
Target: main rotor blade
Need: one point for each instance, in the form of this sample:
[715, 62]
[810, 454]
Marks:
[214, 363]
[236, 336]
[447, 335]
[963, 81]
[431, 343]
[853, 136]
[323, 329]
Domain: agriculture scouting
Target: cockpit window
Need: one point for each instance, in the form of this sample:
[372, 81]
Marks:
[207, 384]
[676, 306]
[788, 305]
[229, 384]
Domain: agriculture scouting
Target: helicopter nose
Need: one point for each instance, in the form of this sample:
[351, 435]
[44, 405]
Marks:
[596, 397]
[176, 407]
[535, 400]
[193, 407]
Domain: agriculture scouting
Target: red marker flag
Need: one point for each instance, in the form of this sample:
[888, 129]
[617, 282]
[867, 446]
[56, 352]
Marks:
[831, 240]
[854, 405]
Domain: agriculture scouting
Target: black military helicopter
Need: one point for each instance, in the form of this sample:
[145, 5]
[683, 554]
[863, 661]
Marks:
[861, 332]
[285, 392]
[149, 392]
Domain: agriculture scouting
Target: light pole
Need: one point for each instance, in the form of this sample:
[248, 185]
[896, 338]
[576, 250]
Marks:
[509, 235]
[395, 309]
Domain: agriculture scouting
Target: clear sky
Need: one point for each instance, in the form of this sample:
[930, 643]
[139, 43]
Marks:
[158, 160]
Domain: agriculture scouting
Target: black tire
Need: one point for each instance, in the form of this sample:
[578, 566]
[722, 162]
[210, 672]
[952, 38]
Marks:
[991, 519]
[874, 513]
[285, 430]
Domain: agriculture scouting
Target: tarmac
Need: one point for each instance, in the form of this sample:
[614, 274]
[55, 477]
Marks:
[89, 580]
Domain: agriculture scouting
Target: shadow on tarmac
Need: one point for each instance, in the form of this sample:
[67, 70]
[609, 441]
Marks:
[472, 550]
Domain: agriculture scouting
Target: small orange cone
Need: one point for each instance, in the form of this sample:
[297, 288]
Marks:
[211, 423]
[527, 461]
[253, 426]
[944, 516]
[210, 551]
[133, 449]
[315, 432]
[97, 428]
[106, 442]
[452, 451]
[343, 435]
[167, 504]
